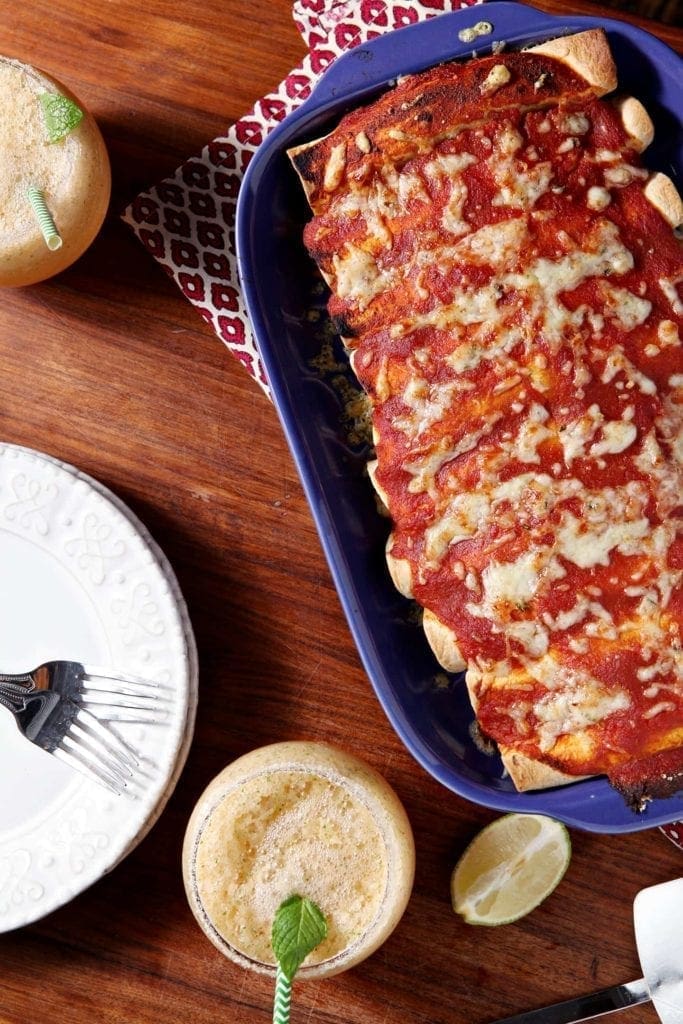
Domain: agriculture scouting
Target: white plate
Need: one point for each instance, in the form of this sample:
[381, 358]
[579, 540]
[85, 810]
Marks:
[81, 579]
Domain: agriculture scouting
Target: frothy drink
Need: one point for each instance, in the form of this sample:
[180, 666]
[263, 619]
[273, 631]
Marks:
[300, 818]
[72, 175]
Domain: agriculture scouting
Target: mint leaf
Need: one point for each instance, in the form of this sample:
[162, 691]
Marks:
[299, 927]
[61, 115]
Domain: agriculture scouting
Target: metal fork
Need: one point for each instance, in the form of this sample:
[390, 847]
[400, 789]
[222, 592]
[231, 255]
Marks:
[56, 706]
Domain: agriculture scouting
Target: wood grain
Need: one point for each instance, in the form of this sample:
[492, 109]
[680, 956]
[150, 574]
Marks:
[108, 367]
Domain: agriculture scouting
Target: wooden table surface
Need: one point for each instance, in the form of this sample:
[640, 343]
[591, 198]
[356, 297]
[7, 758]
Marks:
[110, 368]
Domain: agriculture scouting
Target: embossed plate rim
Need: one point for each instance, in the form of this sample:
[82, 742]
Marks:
[52, 883]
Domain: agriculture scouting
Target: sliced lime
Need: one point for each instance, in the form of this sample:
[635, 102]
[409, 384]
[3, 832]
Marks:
[509, 868]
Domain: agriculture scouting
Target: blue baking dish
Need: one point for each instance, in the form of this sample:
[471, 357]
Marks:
[429, 709]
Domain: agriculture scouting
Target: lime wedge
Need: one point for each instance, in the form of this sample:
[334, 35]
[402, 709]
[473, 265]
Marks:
[61, 115]
[509, 868]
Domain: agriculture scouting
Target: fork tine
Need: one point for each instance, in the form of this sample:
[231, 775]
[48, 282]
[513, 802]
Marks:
[97, 732]
[124, 683]
[108, 712]
[87, 730]
[75, 760]
[74, 745]
[79, 739]
[124, 700]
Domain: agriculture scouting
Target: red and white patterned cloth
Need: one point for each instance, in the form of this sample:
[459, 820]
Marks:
[187, 221]
[674, 832]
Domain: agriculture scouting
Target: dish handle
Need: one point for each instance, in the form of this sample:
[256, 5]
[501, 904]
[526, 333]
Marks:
[368, 67]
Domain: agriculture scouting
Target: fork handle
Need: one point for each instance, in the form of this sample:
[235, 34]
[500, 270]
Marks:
[15, 690]
[14, 696]
[6, 702]
[31, 708]
[38, 679]
[23, 681]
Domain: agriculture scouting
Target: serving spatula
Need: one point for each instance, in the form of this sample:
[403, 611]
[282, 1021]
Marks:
[658, 922]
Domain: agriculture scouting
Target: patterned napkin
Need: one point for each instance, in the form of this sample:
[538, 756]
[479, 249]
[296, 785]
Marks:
[674, 832]
[187, 222]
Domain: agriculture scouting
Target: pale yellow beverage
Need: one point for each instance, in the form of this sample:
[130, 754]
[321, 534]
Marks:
[73, 174]
[303, 818]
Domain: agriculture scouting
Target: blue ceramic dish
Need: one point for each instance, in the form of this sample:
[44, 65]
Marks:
[429, 710]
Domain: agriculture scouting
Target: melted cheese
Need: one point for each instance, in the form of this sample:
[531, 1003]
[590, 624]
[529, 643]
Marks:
[578, 433]
[598, 198]
[424, 468]
[576, 124]
[622, 174]
[627, 309]
[538, 288]
[427, 405]
[498, 76]
[358, 278]
[667, 334]
[334, 168]
[497, 245]
[617, 435]
[520, 186]
[452, 219]
[532, 433]
[448, 167]
[509, 588]
[671, 292]
[575, 709]
[465, 514]
[583, 608]
[484, 342]
[587, 545]
[617, 362]
[406, 186]
[668, 480]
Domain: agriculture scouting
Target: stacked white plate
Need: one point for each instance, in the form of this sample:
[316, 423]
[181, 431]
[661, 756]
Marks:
[82, 580]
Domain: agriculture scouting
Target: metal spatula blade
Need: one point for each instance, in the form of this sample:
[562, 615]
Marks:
[658, 921]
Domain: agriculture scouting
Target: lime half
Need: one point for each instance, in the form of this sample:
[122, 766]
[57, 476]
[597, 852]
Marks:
[509, 868]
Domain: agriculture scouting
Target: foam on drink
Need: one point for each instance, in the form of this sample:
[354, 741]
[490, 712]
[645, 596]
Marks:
[300, 818]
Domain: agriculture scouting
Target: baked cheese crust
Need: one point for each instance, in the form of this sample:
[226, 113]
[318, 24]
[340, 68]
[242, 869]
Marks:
[506, 280]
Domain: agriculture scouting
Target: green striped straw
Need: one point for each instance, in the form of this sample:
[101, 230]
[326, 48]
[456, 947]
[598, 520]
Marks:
[283, 998]
[53, 239]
